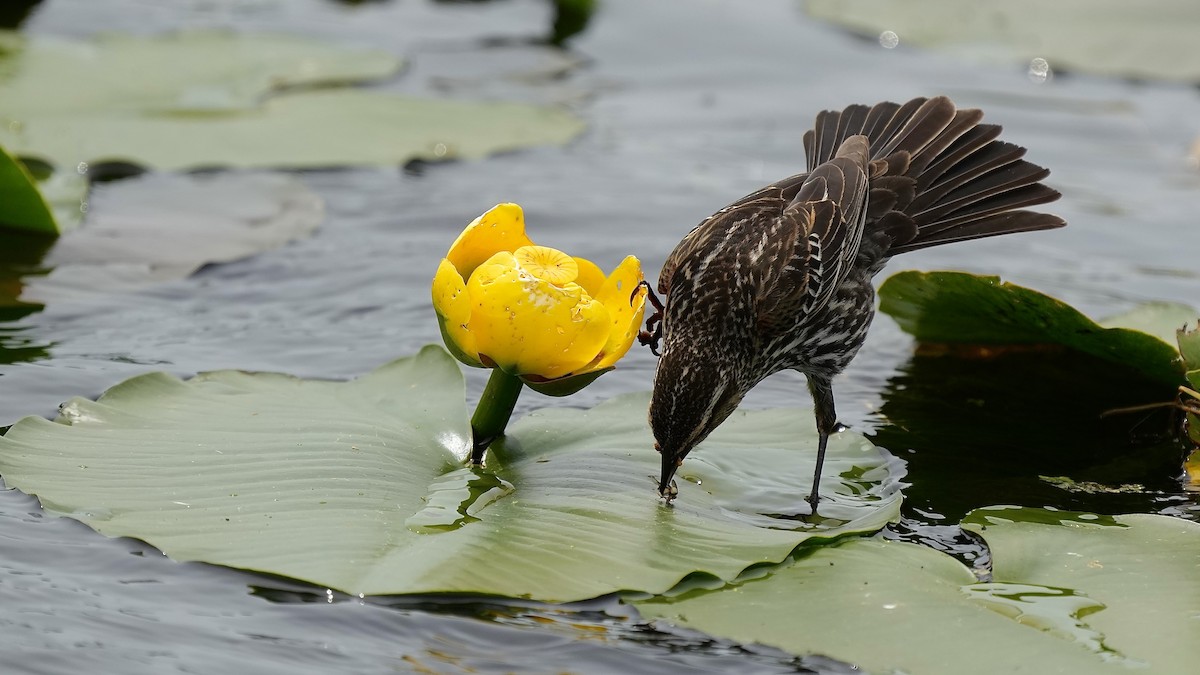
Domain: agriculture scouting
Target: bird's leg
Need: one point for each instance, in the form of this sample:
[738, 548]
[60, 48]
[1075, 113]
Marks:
[653, 333]
[821, 389]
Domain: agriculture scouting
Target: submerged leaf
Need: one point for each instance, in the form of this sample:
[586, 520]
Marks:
[1072, 593]
[165, 226]
[359, 486]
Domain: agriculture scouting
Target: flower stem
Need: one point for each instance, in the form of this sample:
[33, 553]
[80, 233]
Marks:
[491, 415]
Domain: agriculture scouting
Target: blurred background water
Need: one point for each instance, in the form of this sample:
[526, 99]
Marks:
[689, 104]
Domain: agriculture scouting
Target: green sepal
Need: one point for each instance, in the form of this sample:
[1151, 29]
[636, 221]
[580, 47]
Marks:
[562, 386]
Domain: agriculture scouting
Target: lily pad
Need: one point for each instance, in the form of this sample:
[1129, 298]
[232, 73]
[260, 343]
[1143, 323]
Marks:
[21, 204]
[204, 99]
[190, 72]
[1141, 570]
[1072, 593]
[165, 226]
[960, 308]
[1152, 39]
[359, 486]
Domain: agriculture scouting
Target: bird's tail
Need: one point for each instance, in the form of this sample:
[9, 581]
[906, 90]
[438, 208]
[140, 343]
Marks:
[937, 174]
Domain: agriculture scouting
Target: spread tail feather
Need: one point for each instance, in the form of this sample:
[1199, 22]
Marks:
[937, 174]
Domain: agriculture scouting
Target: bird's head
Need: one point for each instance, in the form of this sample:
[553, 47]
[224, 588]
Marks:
[694, 392]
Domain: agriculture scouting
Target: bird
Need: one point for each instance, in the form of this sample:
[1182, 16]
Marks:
[781, 279]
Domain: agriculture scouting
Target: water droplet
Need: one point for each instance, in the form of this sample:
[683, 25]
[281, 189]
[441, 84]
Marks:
[93, 513]
[81, 168]
[891, 605]
[15, 126]
[888, 39]
[83, 207]
[440, 150]
[1039, 70]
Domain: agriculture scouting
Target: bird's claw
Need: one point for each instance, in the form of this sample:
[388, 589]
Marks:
[669, 493]
[653, 333]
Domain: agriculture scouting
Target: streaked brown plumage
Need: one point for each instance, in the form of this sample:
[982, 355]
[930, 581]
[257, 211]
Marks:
[781, 279]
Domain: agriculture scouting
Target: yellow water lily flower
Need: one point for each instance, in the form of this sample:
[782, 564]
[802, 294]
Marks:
[555, 321]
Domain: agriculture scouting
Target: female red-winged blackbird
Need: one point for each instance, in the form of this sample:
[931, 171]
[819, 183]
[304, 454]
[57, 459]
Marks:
[782, 277]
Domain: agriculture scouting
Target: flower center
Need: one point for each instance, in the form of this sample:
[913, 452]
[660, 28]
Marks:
[548, 264]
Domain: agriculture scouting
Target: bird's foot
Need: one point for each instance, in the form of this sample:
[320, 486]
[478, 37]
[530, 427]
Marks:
[653, 333]
[813, 500]
[669, 492]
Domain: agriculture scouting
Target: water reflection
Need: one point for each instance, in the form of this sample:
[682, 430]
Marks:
[20, 254]
[1007, 427]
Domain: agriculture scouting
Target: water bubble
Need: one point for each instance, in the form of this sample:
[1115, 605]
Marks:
[81, 168]
[440, 150]
[888, 39]
[1039, 70]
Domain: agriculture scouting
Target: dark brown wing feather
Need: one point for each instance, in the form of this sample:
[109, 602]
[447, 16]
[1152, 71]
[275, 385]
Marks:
[907, 176]
[937, 169]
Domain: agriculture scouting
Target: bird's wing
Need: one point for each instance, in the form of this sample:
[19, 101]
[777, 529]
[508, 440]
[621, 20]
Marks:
[829, 212]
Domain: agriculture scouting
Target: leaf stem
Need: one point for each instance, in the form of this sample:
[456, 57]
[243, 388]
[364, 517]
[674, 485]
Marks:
[491, 415]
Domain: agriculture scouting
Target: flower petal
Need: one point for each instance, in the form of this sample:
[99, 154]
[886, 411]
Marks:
[591, 277]
[502, 228]
[453, 307]
[625, 309]
[529, 326]
[547, 263]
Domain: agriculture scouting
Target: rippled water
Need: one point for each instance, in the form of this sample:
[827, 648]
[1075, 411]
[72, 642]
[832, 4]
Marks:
[691, 103]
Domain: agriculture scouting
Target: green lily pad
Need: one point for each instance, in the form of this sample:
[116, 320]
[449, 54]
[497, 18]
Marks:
[203, 99]
[21, 203]
[955, 307]
[1152, 39]
[359, 486]
[1072, 593]
[1142, 570]
[200, 72]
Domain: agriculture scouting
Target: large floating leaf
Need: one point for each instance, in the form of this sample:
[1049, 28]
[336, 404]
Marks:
[22, 205]
[1151, 39]
[194, 72]
[1142, 570]
[1073, 593]
[359, 486]
[955, 307]
[212, 99]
